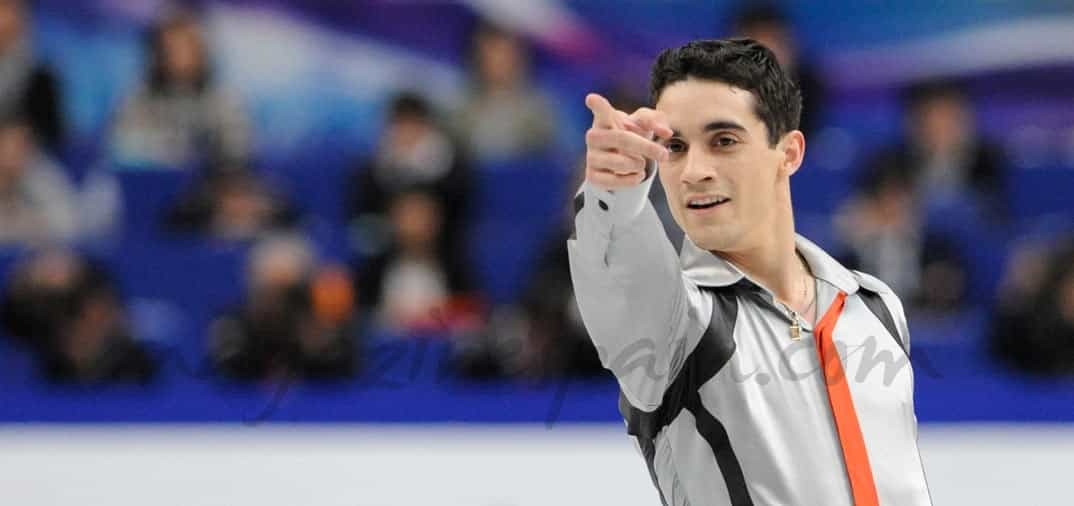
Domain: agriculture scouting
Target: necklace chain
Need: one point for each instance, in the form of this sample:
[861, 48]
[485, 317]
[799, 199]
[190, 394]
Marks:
[805, 291]
[795, 329]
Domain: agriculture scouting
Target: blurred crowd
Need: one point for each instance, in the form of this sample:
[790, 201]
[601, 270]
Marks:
[408, 212]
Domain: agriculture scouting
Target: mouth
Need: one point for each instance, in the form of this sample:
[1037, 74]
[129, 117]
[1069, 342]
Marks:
[701, 203]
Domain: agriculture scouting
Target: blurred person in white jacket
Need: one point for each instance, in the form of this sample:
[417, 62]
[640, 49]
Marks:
[38, 204]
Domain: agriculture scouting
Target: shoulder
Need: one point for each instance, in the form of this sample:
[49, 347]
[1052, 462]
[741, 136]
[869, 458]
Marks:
[225, 94]
[872, 285]
[46, 174]
[137, 100]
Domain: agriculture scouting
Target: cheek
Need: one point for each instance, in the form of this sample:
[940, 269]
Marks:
[671, 192]
[668, 179]
[668, 175]
[754, 187]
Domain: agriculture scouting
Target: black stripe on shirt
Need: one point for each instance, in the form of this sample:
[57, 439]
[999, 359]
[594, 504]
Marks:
[712, 352]
[876, 305]
[579, 203]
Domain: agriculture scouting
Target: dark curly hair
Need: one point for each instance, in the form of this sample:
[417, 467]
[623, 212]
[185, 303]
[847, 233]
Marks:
[742, 63]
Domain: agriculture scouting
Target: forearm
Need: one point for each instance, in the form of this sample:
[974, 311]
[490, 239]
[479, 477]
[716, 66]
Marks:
[636, 305]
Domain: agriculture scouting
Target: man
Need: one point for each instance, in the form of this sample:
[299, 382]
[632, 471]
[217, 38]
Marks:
[754, 368]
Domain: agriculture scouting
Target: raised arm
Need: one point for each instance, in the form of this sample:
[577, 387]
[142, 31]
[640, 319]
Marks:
[640, 311]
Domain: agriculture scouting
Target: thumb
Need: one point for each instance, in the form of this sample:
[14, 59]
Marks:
[655, 126]
[653, 121]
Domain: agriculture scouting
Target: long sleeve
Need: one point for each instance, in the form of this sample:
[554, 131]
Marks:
[641, 313]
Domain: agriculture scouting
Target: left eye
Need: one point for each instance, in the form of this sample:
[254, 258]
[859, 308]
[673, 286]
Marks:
[725, 141]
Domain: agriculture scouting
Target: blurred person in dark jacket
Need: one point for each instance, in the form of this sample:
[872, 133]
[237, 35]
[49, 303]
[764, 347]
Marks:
[504, 116]
[885, 233]
[27, 87]
[414, 150]
[770, 26]
[943, 156]
[233, 203]
[38, 204]
[1033, 325]
[180, 117]
[415, 284]
[297, 319]
[540, 337]
[67, 311]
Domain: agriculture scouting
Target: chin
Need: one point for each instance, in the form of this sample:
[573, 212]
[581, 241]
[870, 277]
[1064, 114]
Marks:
[712, 240]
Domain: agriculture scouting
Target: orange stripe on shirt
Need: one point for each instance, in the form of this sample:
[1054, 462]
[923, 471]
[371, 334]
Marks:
[860, 473]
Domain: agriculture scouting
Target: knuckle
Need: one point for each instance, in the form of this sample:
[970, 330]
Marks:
[616, 162]
[592, 136]
[639, 145]
[603, 178]
[614, 140]
[592, 160]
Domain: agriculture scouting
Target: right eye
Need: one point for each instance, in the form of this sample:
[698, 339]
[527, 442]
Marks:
[676, 146]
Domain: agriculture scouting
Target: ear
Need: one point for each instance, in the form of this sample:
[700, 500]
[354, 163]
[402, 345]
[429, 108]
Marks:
[792, 146]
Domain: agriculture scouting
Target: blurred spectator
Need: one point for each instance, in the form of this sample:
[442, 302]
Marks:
[886, 235]
[416, 285]
[27, 88]
[943, 157]
[180, 117]
[37, 202]
[67, 310]
[1033, 327]
[232, 204]
[504, 116]
[414, 150]
[297, 319]
[543, 336]
[768, 25]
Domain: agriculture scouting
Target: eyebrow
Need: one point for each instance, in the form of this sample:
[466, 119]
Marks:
[715, 125]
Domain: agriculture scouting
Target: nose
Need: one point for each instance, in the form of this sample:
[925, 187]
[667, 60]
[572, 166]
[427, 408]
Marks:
[697, 169]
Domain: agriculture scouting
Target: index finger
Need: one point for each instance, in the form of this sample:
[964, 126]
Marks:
[603, 113]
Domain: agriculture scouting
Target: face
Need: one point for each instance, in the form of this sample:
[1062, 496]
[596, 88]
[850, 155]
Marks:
[182, 52]
[407, 131]
[726, 185]
[242, 208]
[10, 22]
[941, 124]
[416, 218]
[1065, 299]
[54, 270]
[276, 266]
[499, 60]
[15, 150]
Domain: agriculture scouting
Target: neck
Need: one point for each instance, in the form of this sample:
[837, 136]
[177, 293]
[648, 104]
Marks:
[773, 261]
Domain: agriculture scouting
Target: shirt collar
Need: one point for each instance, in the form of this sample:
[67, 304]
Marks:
[707, 269]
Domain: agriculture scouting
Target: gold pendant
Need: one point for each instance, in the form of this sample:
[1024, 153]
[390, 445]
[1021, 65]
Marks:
[796, 330]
